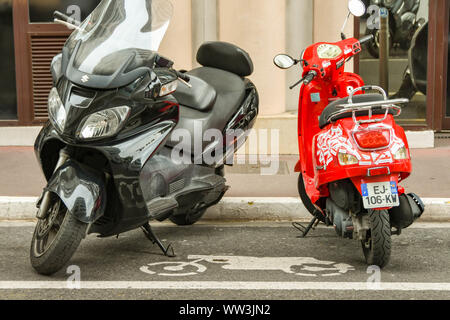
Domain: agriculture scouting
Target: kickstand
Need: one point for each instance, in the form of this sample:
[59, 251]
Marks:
[168, 252]
[305, 230]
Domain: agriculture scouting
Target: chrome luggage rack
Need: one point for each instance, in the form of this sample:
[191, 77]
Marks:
[363, 106]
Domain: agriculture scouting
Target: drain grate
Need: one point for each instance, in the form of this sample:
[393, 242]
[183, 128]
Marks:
[442, 135]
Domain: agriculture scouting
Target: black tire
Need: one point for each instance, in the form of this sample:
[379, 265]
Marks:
[187, 219]
[67, 232]
[377, 246]
[307, 201]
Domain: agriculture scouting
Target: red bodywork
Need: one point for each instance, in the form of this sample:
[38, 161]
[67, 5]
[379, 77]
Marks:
[332, 83]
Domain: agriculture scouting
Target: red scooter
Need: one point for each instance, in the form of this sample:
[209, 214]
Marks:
[352, 153]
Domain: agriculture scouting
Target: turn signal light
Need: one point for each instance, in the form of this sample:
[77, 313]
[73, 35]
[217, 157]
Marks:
[373, 139]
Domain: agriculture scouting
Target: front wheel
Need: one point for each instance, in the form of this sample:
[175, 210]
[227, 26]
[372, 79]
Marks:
[55, 239]
[377, 246]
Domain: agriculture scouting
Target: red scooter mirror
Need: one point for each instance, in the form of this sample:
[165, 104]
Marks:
[357, 8]
[284, 61]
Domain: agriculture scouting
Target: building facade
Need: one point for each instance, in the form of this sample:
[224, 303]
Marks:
[264, 28]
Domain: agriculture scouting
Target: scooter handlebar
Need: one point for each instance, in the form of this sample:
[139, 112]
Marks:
[310, 77]
[367, 38]
[182, 76]
[61, 16]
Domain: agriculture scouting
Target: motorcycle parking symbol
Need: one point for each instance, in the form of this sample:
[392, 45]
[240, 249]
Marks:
[300, 266]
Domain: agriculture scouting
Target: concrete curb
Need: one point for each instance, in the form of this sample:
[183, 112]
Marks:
[234, 209]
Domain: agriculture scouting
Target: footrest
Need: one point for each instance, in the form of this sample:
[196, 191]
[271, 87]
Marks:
[160, 206]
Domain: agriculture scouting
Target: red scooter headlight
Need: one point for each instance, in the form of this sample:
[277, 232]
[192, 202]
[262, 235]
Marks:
[373, 139]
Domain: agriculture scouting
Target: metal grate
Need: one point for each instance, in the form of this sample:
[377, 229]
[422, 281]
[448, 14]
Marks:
[442, 135]
[176, 186]
[43, 49]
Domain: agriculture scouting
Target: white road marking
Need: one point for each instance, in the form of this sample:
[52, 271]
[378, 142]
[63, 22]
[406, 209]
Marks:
[226, 285]
[306, 266]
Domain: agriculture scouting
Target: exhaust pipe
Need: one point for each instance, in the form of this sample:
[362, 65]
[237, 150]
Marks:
[411, 208]
[342, 222]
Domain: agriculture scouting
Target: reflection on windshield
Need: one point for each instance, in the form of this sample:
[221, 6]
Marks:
[118, 29]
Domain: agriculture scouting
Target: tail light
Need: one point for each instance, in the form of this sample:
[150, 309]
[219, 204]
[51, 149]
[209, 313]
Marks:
[373, 139]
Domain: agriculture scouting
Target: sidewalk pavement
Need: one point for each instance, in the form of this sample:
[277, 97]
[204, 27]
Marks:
[252, 196]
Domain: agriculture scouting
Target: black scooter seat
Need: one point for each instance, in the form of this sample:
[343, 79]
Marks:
[201, 96]
[325, 117]
[209, 112]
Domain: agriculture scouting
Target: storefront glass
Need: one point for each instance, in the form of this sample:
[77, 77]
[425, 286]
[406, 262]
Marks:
[408, 29]
[41, 11]
[8, 103]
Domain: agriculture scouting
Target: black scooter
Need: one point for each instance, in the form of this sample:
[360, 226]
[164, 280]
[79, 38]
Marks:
[403, 23]
[116, 111]
[415, 75]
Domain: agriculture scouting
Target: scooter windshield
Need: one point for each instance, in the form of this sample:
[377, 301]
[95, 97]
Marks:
[119, 34]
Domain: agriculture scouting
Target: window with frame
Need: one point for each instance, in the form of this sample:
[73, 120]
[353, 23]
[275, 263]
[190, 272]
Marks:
[41, 11]
[8, 103]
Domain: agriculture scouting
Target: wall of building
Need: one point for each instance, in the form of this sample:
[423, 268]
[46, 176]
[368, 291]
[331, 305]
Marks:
[177, 44]
[263, 28]
[329, 17]
[259, 28]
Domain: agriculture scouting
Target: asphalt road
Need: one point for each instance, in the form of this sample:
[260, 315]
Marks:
[229, 261]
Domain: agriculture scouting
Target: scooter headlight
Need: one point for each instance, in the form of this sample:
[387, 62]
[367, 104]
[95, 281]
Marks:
[56, 111]
[401, 154]
[103, 124]
[346, 159]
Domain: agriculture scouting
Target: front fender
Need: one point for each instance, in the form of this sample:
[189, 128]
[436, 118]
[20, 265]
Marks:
[81, 189]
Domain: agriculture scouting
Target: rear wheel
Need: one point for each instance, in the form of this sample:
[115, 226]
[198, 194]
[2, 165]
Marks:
[55, 239]
[377, 246]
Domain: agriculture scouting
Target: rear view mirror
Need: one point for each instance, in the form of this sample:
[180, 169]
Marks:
[357, 8]
[284, 61]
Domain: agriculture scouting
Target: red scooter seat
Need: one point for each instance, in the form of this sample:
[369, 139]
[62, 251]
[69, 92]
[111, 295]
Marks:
[327, 115]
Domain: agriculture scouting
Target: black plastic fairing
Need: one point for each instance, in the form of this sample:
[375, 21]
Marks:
[81, 189]
[129, 65]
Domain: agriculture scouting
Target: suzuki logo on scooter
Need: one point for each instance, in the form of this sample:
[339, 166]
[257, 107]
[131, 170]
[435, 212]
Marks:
[85, 79]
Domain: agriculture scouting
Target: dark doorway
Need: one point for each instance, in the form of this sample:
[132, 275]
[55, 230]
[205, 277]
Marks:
[8, 102]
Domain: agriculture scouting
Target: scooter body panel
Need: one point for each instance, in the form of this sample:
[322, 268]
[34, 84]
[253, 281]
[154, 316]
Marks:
[131, 159]
[339, 138]
[124, 160]
[81, 189]
[352, 153]
[319, 148]
[315, 97]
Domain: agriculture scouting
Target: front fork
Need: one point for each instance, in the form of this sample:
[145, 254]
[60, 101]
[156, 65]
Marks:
[64, 155]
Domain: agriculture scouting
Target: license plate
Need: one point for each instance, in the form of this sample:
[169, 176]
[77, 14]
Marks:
[380, 195]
